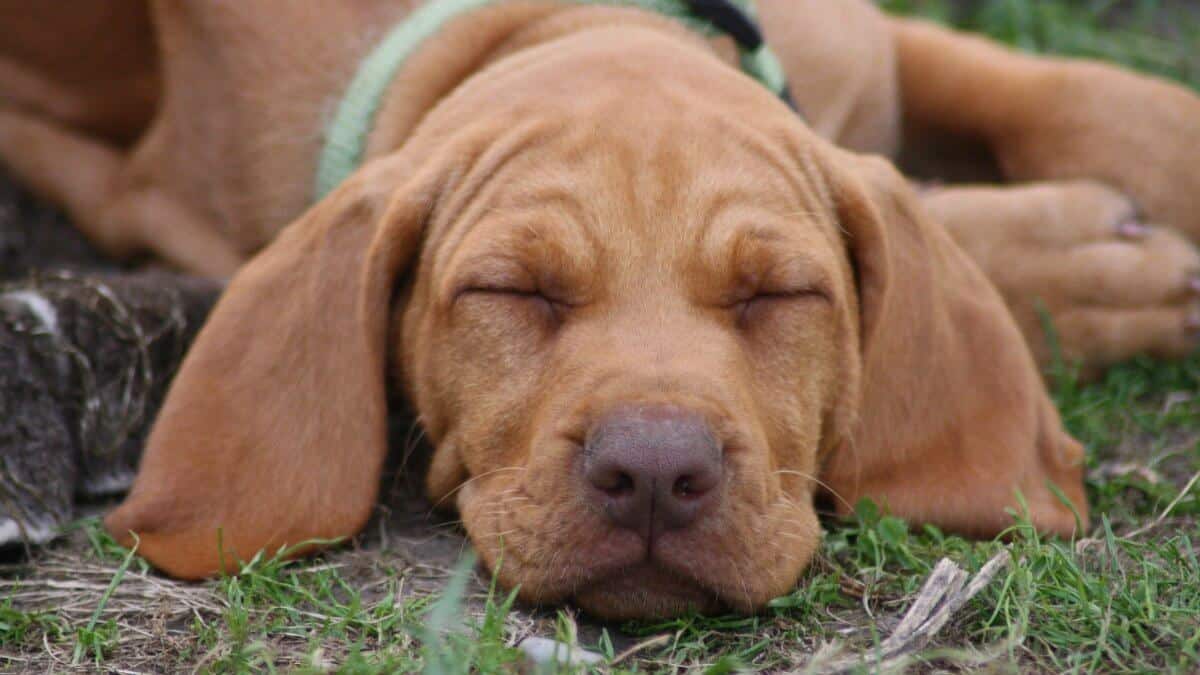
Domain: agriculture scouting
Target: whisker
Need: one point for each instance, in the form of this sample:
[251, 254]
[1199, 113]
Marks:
[475, 478]
[818, 481]
[789, 535]
[412, 440]
[737, 570]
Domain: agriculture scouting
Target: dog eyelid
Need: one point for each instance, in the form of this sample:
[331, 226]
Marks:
[744, 310]
[487, 277]
[495, 289]
[793, 279]
[553, 310]
[518, 292]
[766, 295]
[813, 292]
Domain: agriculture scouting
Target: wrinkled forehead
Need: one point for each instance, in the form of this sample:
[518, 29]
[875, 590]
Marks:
[661, 153]
[658, 175]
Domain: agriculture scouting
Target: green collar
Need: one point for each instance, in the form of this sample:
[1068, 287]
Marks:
[346, 136]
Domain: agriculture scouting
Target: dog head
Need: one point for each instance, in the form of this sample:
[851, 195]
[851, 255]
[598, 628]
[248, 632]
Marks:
[644, 319]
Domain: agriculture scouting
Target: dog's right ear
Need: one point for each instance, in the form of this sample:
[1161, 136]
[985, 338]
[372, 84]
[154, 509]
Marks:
[274, 430]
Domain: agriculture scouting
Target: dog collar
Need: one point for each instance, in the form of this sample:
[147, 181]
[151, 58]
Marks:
[346, 136]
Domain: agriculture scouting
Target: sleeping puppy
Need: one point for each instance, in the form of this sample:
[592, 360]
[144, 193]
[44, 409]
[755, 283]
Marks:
[645, 311]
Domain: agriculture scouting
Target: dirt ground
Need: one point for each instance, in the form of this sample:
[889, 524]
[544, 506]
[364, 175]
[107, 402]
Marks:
[408, 549]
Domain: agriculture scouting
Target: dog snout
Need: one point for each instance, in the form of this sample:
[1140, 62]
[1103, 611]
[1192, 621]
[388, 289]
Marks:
[653, 469]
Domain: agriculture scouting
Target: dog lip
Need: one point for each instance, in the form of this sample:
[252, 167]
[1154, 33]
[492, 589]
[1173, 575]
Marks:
[626, 564]
[652, 583]
[633, 569]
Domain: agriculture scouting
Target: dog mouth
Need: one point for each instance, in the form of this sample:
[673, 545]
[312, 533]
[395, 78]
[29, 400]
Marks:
[617, 577]
[646, 590]
[565, 550]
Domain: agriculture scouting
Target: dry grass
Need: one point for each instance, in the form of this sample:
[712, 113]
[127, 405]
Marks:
[1125, 598]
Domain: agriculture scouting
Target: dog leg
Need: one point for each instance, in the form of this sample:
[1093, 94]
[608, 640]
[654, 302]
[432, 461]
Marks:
[1057, 119]
[67, 169]
[1075, 252]
[840, 63]
[123, 216]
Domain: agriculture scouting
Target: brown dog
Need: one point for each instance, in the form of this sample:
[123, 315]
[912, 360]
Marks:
[640, 305]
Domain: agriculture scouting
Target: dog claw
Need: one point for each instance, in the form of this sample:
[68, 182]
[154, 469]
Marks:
[1192, 322]
[1133, 230]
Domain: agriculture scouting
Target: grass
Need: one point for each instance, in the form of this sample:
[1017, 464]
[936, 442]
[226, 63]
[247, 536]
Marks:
[1126, 598]
[1155, 36]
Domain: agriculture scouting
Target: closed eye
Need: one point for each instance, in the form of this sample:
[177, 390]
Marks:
[806, 293]
[499, 290]
[553, 308]
[753, 307]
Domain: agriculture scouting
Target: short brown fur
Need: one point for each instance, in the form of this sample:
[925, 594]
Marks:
[565, 210]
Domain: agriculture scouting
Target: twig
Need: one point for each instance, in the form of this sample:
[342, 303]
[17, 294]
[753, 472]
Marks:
[1167, 511]
[945, 592]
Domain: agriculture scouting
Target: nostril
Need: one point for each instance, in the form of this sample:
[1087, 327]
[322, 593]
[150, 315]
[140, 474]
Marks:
[621, 486]
[693, 486]
[612, 481]
[683, 488]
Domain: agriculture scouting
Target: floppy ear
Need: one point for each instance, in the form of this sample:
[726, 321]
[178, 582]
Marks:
[954, 419]
[274, 430]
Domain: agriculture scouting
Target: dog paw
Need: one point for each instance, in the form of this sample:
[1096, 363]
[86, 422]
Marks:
[1084, 277]
[1094, 121]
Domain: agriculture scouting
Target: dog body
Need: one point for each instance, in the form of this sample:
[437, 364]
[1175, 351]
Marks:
[267, 75]
[639, 305]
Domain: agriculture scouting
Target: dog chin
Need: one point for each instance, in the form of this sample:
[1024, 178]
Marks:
[646, 591]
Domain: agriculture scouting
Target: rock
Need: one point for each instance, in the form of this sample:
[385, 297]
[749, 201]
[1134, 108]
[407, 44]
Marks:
[85, 360]
[544, 652]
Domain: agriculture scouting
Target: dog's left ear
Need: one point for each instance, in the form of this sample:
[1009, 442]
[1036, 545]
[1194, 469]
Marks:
[954, 419]
[274, 430]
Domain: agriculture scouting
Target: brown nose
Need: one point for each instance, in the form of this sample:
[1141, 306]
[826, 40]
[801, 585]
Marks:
[655, 468]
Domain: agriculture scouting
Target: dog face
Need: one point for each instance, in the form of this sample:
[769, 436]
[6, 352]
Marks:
[629, 346]
[637, 314]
